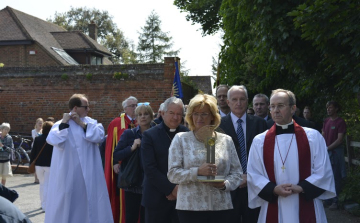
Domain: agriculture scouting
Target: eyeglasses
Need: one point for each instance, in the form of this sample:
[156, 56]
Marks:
[202, 115]
[132, 106]
[85, 106]
[279, 106]
[143, 103]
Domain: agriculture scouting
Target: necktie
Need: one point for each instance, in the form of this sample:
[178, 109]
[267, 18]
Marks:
[240, 136]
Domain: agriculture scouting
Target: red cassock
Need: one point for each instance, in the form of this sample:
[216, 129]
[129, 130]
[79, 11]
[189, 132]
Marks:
[115, 129]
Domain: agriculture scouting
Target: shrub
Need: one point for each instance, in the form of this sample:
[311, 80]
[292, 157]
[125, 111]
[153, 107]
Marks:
[64, 77]
[351, 189]
[89, 76]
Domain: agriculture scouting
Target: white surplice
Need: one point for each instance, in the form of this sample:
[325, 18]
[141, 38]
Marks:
[77, 189]
[321, 175]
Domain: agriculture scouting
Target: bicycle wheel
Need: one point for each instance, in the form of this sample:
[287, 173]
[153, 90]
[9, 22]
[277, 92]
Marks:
[16, 161]
[24, 155]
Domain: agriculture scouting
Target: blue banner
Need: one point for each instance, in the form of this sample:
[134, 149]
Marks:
[177, 90]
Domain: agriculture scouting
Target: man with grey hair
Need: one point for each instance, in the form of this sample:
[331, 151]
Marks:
[115, 130]
[159, 195]
[261, 106]
[302, 122]
[289, 171]
[242, 128]
[221, 97]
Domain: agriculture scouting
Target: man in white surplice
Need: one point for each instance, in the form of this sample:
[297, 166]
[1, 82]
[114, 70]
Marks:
[77, 188]
[289, 171]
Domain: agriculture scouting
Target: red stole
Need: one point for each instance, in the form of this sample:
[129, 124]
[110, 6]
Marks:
[307, 211]
[115, 130]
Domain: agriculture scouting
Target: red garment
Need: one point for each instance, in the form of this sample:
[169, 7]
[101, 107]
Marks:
[114, 131]
[332, 128]
[307, 211]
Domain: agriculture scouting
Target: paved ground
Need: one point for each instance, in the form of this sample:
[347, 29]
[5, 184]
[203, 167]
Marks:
[29, 201]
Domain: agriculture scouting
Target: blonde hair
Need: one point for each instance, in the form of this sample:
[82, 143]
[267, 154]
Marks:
[145, 108]
[39, 119]
[202, 100]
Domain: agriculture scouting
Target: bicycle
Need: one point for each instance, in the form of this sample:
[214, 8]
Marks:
[19, 154]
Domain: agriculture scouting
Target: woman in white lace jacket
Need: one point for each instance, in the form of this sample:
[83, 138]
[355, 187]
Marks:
[198, 201]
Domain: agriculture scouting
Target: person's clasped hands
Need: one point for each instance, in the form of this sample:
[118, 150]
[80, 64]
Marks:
[285, 190]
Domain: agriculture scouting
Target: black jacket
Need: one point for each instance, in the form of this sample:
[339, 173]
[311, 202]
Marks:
[45, 156]
[155, 145]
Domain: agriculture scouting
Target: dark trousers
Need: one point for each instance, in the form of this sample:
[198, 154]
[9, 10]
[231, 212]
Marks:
[133, 208]
[165, 214]
[241, 212]
[204, 216]
[337, 164]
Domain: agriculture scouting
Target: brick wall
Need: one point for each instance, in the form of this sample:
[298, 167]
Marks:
[29, 93]
[18, 55]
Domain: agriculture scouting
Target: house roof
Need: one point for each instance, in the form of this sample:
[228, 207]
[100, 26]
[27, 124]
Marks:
[76, 40]
[20, 27]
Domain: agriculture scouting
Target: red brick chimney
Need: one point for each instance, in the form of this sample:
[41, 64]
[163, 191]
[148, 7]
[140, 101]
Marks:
[93, 30]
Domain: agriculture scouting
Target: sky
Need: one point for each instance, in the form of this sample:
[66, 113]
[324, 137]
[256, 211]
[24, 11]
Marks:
[130, 16]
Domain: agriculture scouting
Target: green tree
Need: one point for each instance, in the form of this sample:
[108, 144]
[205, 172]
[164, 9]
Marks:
[153, 43]
[203, 12]
[335, 35]
[108, 33]
[309, 47]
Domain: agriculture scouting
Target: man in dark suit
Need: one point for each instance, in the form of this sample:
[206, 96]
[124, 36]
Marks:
[261, 106]
[221, 96]
[250, 126]
[159, 195]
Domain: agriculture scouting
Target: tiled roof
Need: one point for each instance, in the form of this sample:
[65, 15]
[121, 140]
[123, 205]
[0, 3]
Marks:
[16, 25]
[77, 40]
[9, 28]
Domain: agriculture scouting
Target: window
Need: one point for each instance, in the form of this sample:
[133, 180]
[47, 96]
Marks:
[96, 60]
[65, 56]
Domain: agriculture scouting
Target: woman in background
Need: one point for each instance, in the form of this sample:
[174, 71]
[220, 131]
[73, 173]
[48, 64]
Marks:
[34, 133]
[37, 129]
[130, 142]
[6, 145]
[42, 164]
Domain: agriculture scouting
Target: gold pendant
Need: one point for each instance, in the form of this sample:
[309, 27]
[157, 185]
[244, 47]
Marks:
[283, 168]
[211, 141]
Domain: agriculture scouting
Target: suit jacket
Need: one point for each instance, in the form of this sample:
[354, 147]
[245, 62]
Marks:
[254, 126]
[268, 118]
[154, 154]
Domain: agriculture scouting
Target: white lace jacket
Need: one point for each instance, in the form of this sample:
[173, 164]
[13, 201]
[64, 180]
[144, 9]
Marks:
[186, 154]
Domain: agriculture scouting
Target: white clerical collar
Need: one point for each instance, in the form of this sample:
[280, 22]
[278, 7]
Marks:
[286, 125]
[130, 117]
[172, 130]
